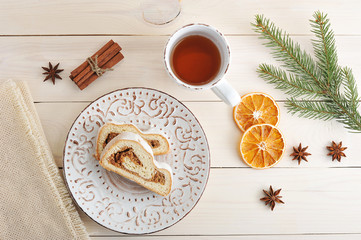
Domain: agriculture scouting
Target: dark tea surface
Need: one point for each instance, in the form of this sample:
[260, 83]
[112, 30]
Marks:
[196, 60]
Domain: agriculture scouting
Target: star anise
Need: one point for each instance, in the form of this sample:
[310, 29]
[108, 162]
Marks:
[336, 151]
[52, 72]
[300, 154]
[272, 197]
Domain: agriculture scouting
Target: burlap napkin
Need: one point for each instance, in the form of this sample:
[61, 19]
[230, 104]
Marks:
[34, 202]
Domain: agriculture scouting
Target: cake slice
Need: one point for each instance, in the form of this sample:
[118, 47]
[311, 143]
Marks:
[108, 131]
[130, 156]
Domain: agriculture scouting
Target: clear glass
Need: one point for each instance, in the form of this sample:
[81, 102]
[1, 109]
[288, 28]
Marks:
[160, 12]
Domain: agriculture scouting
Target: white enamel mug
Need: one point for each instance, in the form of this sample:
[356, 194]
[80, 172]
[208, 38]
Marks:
[219, 85]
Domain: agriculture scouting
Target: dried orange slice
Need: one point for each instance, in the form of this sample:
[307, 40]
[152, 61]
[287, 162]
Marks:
[256, 108]
[262, 146]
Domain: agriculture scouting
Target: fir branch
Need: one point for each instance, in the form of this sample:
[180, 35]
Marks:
[312, 110]
[319, 79]
[284, 50]
[351, 93]
[325, 51]
[290, 83]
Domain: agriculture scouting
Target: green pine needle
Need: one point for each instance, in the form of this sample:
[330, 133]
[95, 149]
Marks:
[351, 93]
[312, 110]
[333, 87]
[291, 83]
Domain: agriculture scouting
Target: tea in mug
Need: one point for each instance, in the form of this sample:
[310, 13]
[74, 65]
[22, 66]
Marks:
[196, 60]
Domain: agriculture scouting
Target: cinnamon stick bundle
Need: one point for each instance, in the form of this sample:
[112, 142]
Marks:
[104, 59]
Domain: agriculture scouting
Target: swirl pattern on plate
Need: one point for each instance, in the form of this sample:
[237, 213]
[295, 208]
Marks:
[120, 204]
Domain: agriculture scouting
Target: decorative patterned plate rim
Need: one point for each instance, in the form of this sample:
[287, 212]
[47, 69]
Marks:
[66, 180]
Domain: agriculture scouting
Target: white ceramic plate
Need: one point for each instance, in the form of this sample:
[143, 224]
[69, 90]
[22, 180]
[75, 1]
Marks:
[122, 205]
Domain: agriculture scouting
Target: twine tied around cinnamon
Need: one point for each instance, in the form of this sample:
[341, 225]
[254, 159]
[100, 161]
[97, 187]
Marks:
[95, 68]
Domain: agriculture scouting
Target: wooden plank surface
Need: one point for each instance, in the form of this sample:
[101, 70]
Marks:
[315, 200]
[322, 197]
[142, 66]
[125, 17]
[242, 237]
[224, 136]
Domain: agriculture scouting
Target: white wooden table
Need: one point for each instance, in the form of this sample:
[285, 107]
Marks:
[323, 199]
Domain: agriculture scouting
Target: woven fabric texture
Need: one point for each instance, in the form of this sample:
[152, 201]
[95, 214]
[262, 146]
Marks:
[34, 202]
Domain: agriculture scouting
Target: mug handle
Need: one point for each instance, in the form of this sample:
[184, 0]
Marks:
[227, 93]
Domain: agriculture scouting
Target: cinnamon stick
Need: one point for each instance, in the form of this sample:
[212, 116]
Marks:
[76, 71]
[102, 59]
[117, 58]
